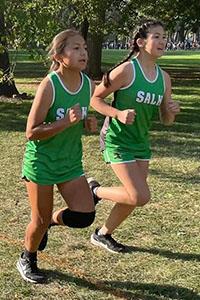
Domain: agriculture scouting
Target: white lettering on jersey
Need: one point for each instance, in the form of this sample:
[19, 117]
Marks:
[60, 113]
[153, 99]
[160, 97]
[140, 96]
[148, 98]
[84, 112]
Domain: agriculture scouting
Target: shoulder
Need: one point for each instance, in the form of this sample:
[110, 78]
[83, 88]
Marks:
[122, 69]
[46, 82]
[90, 81]
[45, 88]
[123, 73]
[167, 79]
[165, 75]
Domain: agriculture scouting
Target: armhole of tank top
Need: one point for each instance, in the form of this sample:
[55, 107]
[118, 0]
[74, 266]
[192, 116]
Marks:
[133, 79]
[90, 85]
[163, 78]
[53, 89]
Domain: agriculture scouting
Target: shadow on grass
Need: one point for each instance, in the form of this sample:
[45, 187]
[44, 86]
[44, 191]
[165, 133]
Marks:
[186, 121]
[190, 92]
[30, 69]
[166, 147]
[182, 138]
[127, 290]
[13, 115]
[166, 253]
[189, 178]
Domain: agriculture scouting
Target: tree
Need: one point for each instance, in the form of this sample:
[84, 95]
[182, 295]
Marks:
[96, 19]
[178, 16]
[103, 17]
[7, 84]
[44, 18]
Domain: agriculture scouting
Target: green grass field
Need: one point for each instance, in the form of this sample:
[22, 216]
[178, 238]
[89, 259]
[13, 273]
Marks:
[163, 263]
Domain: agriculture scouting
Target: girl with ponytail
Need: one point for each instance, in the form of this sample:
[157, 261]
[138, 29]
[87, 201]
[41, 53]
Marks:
[141, 89]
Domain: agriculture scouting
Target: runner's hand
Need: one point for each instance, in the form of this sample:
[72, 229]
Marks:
[74, 114]
[173, 107]
[126, 116]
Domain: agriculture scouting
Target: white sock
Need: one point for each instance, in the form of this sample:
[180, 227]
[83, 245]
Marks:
[95, 190]
[100, 232]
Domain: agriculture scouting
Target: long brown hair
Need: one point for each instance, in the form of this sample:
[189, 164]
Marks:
[140, 32]
[58, 44]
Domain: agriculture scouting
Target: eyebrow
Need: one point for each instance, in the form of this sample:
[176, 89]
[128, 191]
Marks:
[76, 43]
[159, 33]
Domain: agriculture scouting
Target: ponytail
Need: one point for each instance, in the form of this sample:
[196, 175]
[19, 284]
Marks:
[141, 32]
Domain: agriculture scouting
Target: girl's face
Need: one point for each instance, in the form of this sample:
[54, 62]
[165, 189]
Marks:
[155, 42]
[75, 54]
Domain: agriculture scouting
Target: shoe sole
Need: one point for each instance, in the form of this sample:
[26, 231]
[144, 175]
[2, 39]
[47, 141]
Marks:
[26, 278]
[99, 244]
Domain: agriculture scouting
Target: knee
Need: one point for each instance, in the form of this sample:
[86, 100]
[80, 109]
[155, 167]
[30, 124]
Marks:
[41, 222]
[140, 198]
[77, 219]
[143, 198]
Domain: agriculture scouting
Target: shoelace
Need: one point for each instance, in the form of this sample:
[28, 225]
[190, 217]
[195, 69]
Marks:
[115, 243]
[32, 266]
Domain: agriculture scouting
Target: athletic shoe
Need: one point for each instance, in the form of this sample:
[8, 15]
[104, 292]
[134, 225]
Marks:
[106, 241]
[29, 270]
[94, 184]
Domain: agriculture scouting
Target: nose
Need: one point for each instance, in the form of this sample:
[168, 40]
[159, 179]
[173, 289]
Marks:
[83, 51]
[162, 42]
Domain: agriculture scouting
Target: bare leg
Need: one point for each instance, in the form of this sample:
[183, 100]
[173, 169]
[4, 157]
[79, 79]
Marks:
[117, 215]
[41, 202]
[133, 177]
[116, 194]
[77, 196]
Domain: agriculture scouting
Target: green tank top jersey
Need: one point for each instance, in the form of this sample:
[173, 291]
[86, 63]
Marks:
[59, 158]
[144, 96]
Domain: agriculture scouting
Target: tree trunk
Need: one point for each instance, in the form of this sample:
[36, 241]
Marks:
[95, 53]
[7, 84]
[84, 28]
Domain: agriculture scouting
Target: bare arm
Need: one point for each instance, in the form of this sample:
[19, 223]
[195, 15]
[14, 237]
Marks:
[36, 129]
[168, 108]
[119, 78]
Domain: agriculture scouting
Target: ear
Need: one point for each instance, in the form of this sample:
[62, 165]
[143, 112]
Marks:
[140, 42]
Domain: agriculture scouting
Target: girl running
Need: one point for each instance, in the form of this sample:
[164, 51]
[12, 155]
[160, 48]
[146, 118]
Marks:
[53, 154]
[140, 88]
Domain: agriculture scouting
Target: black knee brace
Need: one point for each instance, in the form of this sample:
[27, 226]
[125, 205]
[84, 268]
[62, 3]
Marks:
[77, 219]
